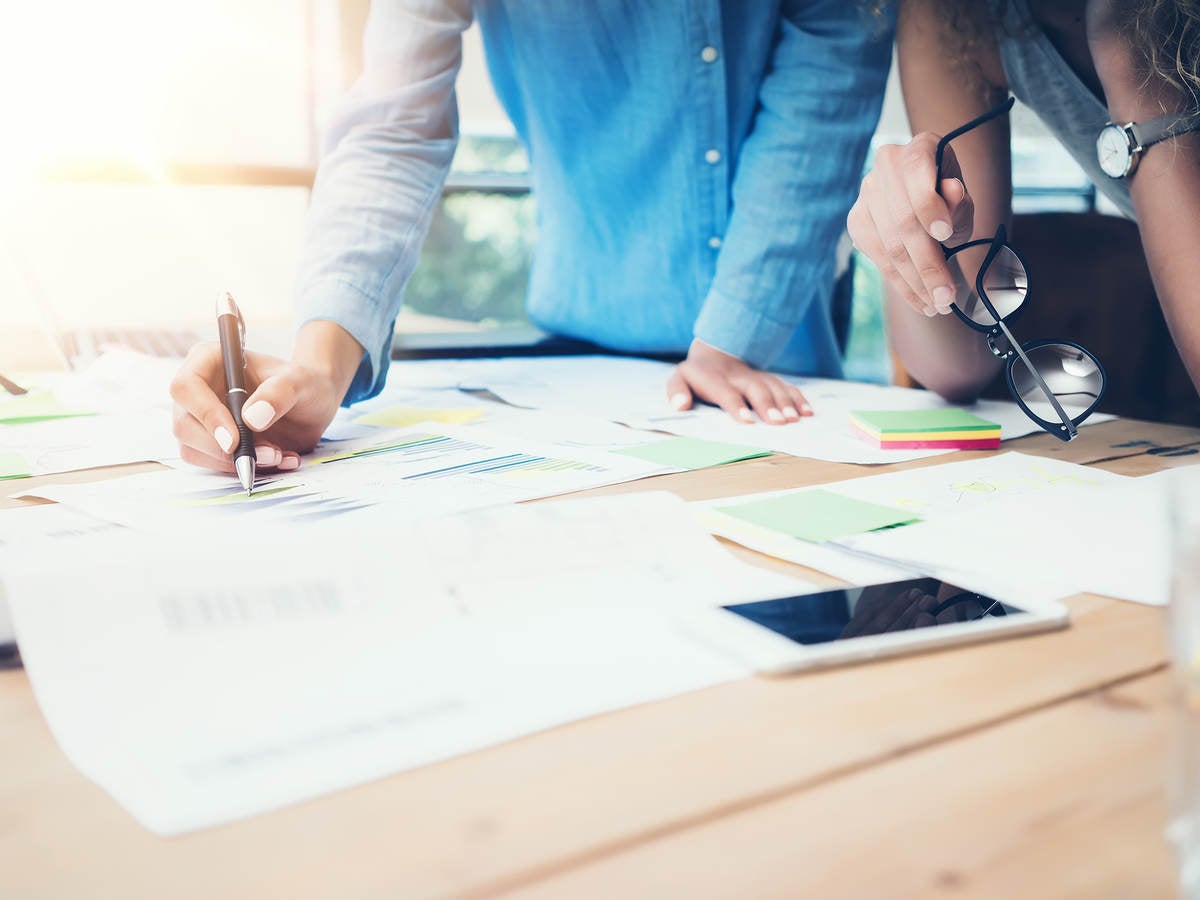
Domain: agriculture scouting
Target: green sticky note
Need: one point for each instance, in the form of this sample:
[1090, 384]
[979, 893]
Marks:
[13, 465]
[36, 406]
[950, 419]
[818, 515]
[693, 453]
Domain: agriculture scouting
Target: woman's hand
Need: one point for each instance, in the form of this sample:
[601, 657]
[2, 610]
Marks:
[716, 377]
[290, 406]
[901, 219]
[291, 403]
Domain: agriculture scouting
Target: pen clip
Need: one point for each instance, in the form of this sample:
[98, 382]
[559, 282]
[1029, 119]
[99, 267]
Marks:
[227, 306]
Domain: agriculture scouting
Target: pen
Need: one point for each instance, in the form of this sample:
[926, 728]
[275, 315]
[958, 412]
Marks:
[232, 330]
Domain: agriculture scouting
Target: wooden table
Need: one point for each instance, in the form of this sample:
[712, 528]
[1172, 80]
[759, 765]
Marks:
[1031, 767]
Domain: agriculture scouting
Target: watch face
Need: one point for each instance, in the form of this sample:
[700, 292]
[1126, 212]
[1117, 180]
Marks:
[1112, 148]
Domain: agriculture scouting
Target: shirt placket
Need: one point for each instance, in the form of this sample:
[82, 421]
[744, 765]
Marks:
[712, 152]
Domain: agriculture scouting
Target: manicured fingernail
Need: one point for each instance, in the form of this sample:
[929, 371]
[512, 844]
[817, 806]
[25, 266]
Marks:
[806, 410]
[745, 415]
[774, 415]
[289, 463]
[223, 438]
[266, 456]
[930, 311]
[942, 298]
[941, 231]
[679, 401]
[790, 412]
[258, 415]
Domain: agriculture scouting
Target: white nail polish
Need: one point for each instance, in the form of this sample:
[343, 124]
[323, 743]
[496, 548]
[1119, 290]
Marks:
[745, 415]
[679, 401]
[289, 463]
[774, 415]
[941, 231]
[790, 412]
[266, 456]
[223, 438]
[258, 415]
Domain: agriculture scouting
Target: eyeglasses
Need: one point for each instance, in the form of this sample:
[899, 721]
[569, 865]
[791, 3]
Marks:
[1044, 377]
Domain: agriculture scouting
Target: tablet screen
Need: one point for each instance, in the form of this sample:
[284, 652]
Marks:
[845, 613]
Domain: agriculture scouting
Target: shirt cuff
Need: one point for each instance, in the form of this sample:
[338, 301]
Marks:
[742, 331]
[367, 320]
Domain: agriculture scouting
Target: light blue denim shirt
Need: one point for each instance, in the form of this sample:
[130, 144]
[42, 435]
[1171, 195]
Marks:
[693, 162]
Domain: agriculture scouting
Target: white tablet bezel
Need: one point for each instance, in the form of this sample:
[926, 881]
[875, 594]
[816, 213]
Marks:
[768, 653]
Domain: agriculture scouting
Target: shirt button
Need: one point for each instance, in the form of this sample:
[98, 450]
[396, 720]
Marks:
[712, 157]
[709, 54]
[714, 242]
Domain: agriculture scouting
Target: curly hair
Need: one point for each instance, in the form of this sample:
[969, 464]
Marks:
[1166, 33]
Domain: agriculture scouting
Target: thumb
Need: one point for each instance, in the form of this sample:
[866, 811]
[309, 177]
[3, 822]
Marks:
[961, 206]
[679, 395]
[270, 402]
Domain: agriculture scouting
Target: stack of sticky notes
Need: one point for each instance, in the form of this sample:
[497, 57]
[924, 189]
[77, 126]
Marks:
[926, 429]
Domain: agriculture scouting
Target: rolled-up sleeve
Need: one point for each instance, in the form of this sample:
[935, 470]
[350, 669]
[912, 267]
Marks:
[797, 175]
[384, 163]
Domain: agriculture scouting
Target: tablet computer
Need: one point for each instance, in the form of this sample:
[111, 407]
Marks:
[853, 624]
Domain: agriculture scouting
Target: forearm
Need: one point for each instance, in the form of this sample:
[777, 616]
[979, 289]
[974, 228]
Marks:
[1165, 186]
[327, 348]
[941, 353]
[1165, 191]
[386, 157]
[797, 174]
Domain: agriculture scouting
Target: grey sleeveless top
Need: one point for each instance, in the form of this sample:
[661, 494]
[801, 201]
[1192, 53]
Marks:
[1041, 79]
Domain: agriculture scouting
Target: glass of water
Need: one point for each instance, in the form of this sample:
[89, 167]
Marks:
[1183, 782]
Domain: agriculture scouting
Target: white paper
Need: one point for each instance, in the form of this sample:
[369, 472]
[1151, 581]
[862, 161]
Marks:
[19, 528]
[284, 670]
[633, 391]
[118, 382]
[433, 470]
[558, 427]
[1111, 540]
[86, 442]
[931, 492]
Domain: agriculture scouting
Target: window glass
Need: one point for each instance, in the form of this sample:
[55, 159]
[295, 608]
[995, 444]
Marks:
[475, 263]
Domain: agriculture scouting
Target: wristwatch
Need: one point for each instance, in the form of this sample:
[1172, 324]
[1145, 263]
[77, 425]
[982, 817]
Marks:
[1119, 147]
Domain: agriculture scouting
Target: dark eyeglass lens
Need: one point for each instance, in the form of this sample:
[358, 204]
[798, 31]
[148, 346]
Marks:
[1005, 281]
[1073, 376]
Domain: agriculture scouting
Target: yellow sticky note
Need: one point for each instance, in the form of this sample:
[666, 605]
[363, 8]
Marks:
[400, 416]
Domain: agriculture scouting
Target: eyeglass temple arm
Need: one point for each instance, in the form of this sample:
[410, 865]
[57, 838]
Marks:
[1068, 425]
[959, 132]
[997, 242]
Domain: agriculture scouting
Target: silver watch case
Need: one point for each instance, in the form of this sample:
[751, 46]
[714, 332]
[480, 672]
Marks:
[1117, 150]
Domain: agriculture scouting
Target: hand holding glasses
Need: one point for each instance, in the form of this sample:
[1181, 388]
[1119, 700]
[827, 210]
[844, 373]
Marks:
[1057, 383]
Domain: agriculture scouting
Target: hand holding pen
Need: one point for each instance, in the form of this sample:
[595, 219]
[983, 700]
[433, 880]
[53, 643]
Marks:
[290, 402]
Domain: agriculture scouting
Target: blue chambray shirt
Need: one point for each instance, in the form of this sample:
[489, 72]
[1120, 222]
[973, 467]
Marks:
[693, 163]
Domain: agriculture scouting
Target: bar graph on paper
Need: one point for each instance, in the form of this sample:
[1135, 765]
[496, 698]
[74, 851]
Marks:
[398, 476]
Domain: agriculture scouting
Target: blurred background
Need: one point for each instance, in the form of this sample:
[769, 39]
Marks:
[157, 153]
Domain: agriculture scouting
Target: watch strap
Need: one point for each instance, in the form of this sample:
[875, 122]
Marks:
[1146, 134]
